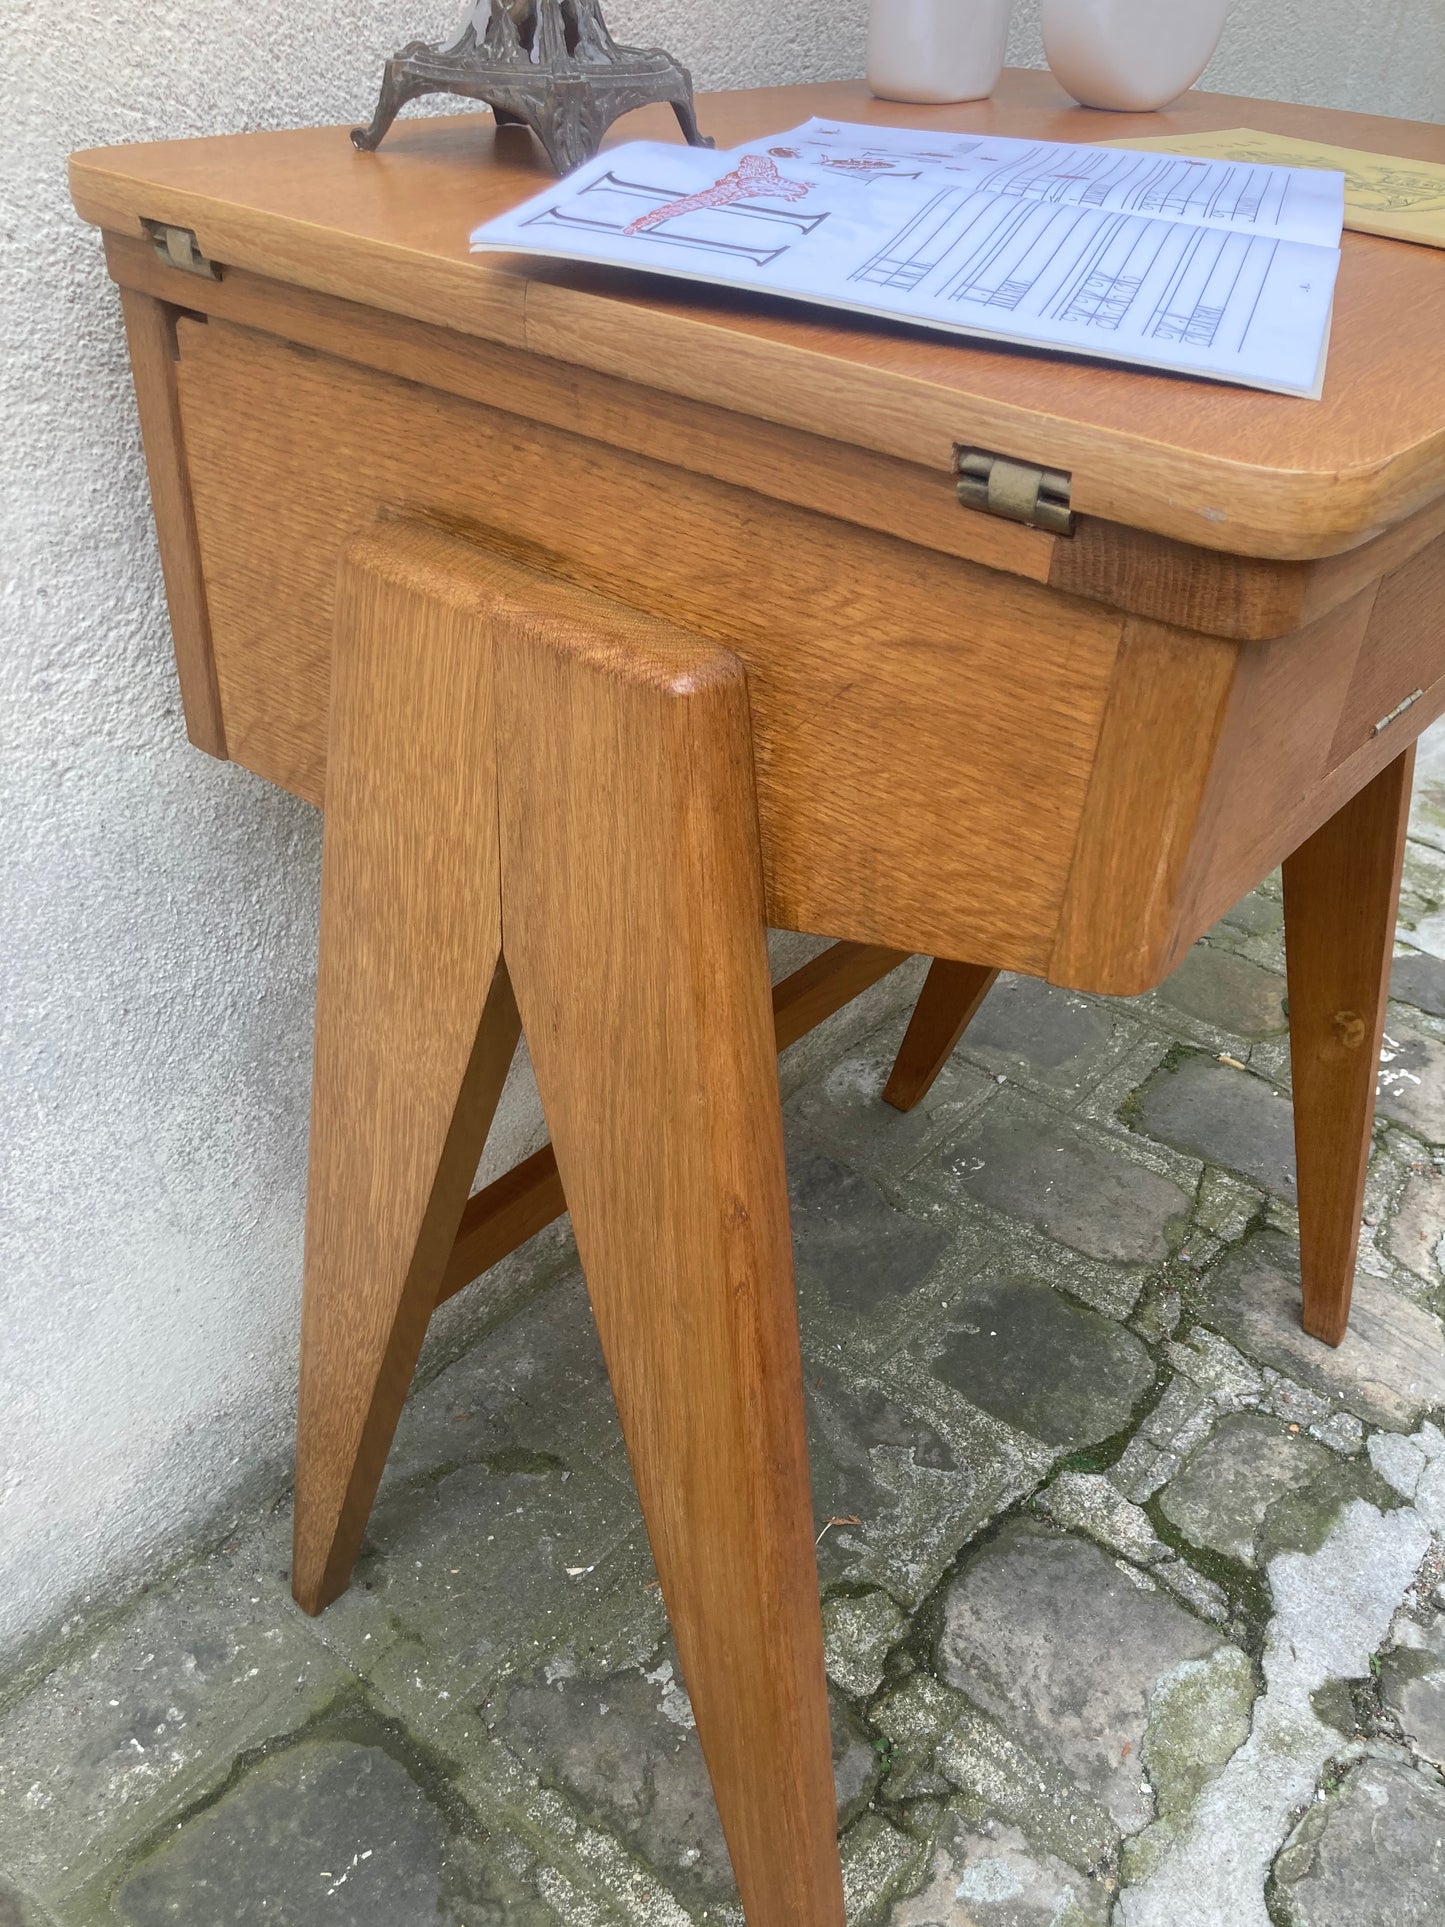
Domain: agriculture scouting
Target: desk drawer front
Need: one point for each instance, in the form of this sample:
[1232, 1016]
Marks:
[925, 727]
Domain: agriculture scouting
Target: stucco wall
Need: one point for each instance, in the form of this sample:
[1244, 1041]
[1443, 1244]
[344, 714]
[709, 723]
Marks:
[159, 908]
[1383, 57]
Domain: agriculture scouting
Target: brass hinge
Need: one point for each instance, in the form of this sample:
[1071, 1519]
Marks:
[177, 248]
[1019, 491]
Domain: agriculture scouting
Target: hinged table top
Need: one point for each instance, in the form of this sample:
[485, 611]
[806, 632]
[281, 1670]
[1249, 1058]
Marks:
[1223, 467]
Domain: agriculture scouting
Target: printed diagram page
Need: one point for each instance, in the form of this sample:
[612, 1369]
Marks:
[1393, 195]
[972, 239]
[1225, 191]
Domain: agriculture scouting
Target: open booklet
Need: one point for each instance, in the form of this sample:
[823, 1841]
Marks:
[1207, 267]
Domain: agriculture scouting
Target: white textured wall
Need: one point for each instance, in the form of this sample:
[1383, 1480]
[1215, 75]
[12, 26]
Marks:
[1379, 57]
[158, 909]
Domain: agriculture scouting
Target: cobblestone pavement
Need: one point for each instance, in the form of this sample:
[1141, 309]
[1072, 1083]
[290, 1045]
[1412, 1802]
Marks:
[1137, 1616]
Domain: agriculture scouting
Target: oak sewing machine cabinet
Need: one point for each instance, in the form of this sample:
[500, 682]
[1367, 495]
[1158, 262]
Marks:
[612, 621]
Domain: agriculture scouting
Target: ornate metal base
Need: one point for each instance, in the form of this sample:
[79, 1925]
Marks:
[550, 65]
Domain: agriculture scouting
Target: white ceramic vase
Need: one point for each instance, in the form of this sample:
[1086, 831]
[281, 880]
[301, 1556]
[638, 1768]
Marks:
[936, 50]
[1130, 55]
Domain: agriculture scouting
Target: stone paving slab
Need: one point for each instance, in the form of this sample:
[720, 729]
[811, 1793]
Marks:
[864, 1266]
[1373, 1855]
[584, 1870]
[909, 1471]
[1088, 1502]
[1260, 914]
[1083, 1701]
[1048, 1040]
[1220, 995]
[1412, 1686]
[624, 1750]
[859, 1633]
[945, 1746]
[1224, 1493]
[1133, 1595]
[1030, 1356]
[1390, 1368]
[1418, 980]
[1225, 1116]
[16, 1910]
[1077, 1185]
[1414, 1233]
[340, 1829]
[150, 1709]
[991, 1877]
[535, 1386]
[468, 1572]
[1412, 1083]
[838, 1111]
[987, 1243]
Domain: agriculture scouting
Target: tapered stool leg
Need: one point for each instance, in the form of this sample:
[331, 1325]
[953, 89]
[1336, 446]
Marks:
[1341, 893]
[947, 1005]
[633, 913]
[415, 1022]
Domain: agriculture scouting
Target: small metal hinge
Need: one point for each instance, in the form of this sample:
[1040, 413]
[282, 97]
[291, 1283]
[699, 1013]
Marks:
[1019, 491]
[177, 248]
[1398, 711]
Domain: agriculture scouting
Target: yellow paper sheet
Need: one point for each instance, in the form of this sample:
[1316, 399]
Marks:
[1402, 199]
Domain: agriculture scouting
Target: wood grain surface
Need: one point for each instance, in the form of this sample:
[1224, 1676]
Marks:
[952, 993]
[415, 1023]
[512, 754]
[1341, 892]
[623, 619]
[896, 729]
[1247, 598]
[633, 909]
[517, 1205]
[814, 471]
[1243, 597]
[1220, 467]
[1120, 922]
[1115, 800]
[1285, 760]
[150, 333]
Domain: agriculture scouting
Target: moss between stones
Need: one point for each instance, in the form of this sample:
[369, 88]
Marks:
[1246, 1589]
[908, 1781]
[1107, 1452]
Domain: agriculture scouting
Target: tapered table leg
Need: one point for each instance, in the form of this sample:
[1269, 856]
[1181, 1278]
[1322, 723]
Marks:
[415, 1022]
[1341, 893]
[633, 912]
[947, 1005]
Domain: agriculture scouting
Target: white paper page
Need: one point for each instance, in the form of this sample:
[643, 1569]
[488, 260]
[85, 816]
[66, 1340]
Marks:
[1292, 203]
[929, 248]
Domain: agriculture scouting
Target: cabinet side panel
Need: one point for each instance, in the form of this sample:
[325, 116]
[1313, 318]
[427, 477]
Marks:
[1403, 657]
[150, 332]
[924, 727]
[1300, 738]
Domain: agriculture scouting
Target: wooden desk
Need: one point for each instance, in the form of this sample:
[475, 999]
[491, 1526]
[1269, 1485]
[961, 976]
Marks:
[609, 620]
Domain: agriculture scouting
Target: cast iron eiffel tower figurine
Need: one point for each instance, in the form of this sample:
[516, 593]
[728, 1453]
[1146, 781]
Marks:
[550, 65]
